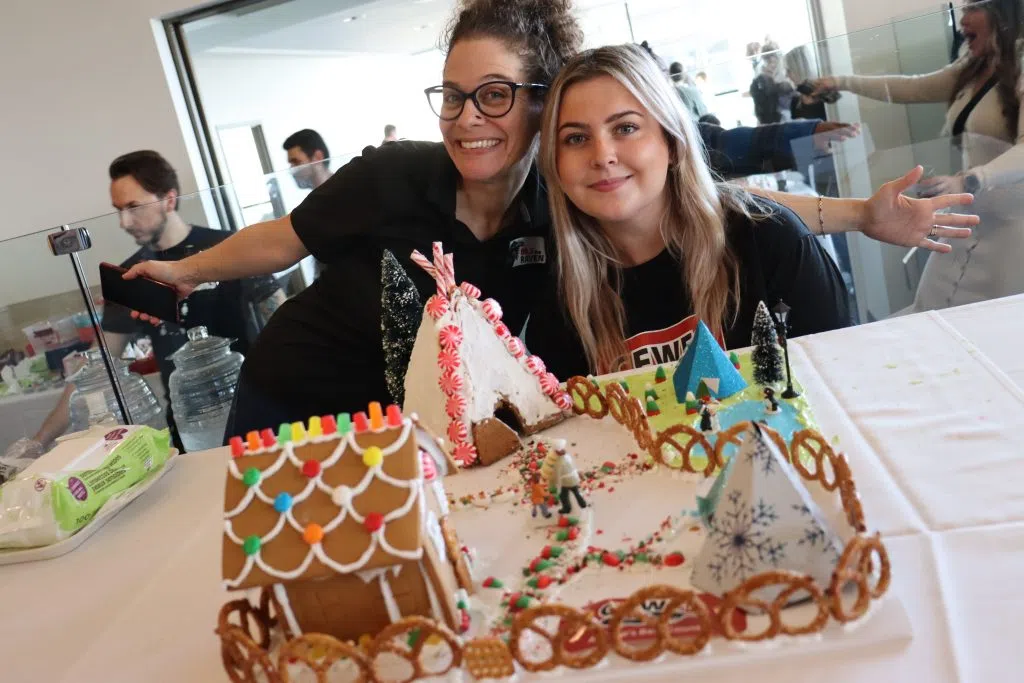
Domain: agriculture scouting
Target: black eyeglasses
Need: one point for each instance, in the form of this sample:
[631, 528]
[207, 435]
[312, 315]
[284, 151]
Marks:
[493, 99]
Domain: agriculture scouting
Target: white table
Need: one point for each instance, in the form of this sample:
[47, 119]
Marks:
[935, 410]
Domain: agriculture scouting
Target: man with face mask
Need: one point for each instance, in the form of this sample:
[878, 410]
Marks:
[144, 190]
[308, 155]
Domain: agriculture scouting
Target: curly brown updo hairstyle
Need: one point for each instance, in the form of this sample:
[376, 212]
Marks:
[544, 33]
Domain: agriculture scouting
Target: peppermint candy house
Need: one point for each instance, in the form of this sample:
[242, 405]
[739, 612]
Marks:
[470, 378]
[344, 521]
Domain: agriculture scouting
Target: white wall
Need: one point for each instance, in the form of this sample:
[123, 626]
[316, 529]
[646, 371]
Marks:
[82, 82]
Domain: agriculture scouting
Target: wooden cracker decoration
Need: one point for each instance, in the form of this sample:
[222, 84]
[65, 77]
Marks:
[732, 436]
[593, 403]
[488, 658]
[675, 598]
[319, 653]
[572, 624]
[856, 567]
[425, 630]
[743, 596]
[244, 660]
[684, 439]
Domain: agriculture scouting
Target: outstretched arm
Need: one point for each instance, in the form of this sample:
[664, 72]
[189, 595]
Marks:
[261, 249]
[887, 216]
[936, 86]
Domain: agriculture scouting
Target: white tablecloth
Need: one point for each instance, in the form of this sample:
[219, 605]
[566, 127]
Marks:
[935, 409]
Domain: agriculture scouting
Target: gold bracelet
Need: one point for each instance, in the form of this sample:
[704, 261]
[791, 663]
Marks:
[821, 216]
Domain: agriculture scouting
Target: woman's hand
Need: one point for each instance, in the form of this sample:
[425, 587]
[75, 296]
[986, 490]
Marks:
[892, 217]
[940, 185]
[178, 274]
[827, 132]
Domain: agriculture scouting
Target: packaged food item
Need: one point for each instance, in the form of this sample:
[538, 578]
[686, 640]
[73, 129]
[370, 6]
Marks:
[42, 509]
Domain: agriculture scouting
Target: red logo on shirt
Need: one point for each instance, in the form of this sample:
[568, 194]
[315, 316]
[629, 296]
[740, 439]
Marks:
[662, 346]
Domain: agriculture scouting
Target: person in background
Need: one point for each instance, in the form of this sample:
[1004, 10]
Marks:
[805, 104]
[390, 134]
[144, 190]
[770, 89]
[985, 122]
[308, 157]
[691, 96]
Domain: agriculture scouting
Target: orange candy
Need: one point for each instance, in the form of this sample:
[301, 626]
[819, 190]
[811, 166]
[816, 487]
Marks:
[314, 533]
[376, 416]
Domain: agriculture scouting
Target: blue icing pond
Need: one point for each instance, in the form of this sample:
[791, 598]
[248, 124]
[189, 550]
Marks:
[785, 422]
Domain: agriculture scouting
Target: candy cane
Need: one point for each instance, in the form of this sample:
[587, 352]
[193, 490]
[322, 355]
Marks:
[421, 261]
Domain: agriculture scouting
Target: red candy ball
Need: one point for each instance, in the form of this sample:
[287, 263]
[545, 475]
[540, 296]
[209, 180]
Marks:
[311, 468]
[373, 522]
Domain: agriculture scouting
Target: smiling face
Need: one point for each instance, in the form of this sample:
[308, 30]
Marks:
[612, 156]
[976, 23]
[487, 149]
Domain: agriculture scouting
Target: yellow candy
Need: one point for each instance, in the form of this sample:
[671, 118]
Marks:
[316, 428]
[434, 639]
[364, 641]
[298, 432]
[373, 456]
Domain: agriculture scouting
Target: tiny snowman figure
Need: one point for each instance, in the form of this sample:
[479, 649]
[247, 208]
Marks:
[709, 419]
[567, 478]
[771, 404]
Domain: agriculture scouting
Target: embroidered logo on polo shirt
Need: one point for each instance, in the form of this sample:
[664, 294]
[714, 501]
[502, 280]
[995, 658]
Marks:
[527, 251]
[662, 346]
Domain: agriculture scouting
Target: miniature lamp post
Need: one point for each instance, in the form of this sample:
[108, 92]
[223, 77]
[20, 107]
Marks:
[781, 312]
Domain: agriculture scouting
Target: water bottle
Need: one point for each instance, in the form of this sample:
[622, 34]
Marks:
[202, 388]
[93, 401]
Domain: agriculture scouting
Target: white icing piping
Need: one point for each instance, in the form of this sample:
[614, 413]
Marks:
[394, 613]
[286, 607]
[435, 605]
[415, 487]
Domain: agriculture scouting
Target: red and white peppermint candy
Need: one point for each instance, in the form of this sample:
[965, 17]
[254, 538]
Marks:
[535, 365]
[457, 431]
[563, 401]
[492, 310]
[464, 453]
[515, 347]
[501, 329]
[437, 307]
[456, 406]
[448, 360]
[472, 291]
[450, 337]
[451, 383]
[549, 384]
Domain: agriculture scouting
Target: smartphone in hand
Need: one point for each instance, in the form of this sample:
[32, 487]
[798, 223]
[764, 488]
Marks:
[142, 294]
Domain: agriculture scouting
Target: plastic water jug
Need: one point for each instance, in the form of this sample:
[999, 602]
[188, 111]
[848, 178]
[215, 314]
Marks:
[93, 401]
[202, 388]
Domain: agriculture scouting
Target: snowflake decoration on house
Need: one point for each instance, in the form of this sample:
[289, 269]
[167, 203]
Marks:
[741, 538]
[813, 534]
[761, 456]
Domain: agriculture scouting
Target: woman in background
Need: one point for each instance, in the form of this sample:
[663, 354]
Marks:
[984, 119]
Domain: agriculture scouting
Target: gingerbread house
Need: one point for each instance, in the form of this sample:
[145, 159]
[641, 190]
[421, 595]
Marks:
[344, 520]
[470, 378]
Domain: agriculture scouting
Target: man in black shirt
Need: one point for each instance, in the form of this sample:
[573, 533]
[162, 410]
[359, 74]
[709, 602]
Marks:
[144, 190]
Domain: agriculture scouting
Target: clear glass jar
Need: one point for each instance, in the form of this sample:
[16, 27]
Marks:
[93, 401]
[202, 388]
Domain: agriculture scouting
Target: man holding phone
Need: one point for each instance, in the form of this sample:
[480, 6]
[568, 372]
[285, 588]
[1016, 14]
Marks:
[144, 190]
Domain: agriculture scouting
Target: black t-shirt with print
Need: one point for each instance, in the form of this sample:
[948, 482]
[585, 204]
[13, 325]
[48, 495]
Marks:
[225, 310]
[778, 259]
[322, 353]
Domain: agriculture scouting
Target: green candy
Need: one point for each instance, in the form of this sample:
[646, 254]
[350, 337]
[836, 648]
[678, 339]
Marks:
[562, 535]
[542, 565]
[557, 551]
[523, 602]
[252, 544]
[284, 433]
[251, 477]
[640, 557]
[344, 423]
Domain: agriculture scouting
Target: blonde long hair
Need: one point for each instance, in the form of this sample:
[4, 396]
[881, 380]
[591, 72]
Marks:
[693, 227]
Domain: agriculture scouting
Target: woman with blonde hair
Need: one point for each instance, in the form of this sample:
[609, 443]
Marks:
[648, 242]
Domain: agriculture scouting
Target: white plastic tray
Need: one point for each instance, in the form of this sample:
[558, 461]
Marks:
[105, 514]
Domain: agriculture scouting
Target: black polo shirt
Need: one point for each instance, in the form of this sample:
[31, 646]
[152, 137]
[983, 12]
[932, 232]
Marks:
[321, 353]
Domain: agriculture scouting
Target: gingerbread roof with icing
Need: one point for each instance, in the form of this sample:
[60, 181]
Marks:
[335, 497]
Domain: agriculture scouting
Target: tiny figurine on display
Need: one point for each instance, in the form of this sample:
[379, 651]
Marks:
[766, 357]
[625, 386]
[659, 374]
[781, 312]
[649, 392]
[735, 360]
[771, 404]
[567, 478]
[539, 496]
[703, 393]
[709, 419]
